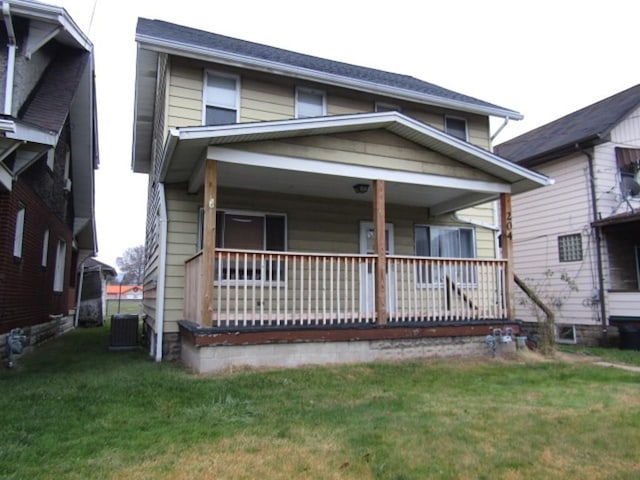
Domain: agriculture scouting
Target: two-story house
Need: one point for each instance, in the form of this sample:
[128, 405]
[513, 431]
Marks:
[48, 153]
[578, 243]
[303, 210]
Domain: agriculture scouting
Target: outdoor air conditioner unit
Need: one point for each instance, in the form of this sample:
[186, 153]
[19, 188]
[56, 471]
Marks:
[67, 185]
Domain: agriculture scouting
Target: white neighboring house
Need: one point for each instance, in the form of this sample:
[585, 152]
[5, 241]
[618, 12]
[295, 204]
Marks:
[585, 227]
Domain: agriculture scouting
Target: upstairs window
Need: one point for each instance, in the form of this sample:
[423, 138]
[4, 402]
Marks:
[310, 103]
[456, 127]
[629, 169]
[45, 249]
[221, 98]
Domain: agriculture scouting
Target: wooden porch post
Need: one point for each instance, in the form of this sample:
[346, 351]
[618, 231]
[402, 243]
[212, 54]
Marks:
[209, 241]
[379, 226]
[507, 252]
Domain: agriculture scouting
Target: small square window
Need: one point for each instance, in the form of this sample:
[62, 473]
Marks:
[456, 127]
[566, 333]
[387, 107]
[310, 103]
[570, 248]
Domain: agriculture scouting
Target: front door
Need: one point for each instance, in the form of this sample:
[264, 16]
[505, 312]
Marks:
[367, 274]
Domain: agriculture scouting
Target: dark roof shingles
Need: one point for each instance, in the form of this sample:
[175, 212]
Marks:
[199, 38]
[588, 124]
[49, 104]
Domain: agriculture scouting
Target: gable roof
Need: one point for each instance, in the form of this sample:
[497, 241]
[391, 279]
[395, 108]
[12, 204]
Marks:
[186, 148]
[165, 34]
[584, 128]
[155, 36]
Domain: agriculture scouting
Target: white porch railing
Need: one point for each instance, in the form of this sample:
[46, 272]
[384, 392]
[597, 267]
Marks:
[257, 288]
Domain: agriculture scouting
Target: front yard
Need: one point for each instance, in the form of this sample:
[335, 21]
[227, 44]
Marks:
[75, 410]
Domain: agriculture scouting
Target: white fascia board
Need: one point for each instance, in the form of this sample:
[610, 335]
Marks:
[6, 179]
[242, 157]
[33, 134]
[51, 14]
[7, 125]
[242, 61]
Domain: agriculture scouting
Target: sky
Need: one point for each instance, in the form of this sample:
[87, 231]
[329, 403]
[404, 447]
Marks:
[542, 58]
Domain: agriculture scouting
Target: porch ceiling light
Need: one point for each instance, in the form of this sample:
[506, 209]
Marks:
[361, 188]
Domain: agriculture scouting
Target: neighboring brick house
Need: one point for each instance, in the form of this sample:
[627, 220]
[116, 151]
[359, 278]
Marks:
[48, 154]
[578, 241]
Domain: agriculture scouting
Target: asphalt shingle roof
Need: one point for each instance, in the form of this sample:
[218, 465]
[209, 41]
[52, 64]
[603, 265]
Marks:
[590, 124]
[49, 104]
[198, 38]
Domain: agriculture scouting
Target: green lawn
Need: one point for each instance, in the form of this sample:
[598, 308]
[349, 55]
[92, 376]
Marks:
[75, 410]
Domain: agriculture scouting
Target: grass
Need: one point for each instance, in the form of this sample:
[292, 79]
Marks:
[125, 306]
[614, 355]
[75, 410]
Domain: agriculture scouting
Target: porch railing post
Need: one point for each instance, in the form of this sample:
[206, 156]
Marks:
[507, 252]
[379, 226]
[209, 241]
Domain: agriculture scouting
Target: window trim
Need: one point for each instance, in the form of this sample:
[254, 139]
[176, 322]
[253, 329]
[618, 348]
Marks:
[462, 119]
[560, 338]
[61, 258]
[563, 252]
[205, 102]
[250, 213]
[44, 259]
[18, 236]
[313, 91]
[637, 250]
[427, 279]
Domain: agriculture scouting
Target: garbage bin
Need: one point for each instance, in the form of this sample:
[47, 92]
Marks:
[629, 337]
[124, 332]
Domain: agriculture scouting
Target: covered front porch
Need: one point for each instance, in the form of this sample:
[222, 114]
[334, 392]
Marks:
[343, 229]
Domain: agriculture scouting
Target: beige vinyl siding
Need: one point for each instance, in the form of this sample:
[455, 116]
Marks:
[478, 127]
[182, 221]
[539, 217]
[372, 148]
[262, 101]
[185, 95]
[344, 105]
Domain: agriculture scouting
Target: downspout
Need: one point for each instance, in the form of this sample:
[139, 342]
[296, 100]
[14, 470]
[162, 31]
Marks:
[160, 287]
[592, 184]
[79, 301]
[504, 124]
[11, 59]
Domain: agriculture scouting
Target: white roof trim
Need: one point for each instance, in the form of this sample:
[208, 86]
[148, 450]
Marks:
[243, 61]
[319, 125]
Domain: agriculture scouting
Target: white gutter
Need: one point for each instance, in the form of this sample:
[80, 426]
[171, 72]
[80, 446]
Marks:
[160, 286]
[11, 59]
[243, 61]
[504, 124]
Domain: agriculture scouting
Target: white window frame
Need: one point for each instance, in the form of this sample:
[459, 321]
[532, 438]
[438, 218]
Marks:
[566, 334]
[61, 258]
[206, 102]
[436, 278]
[386, 107]
[51, 158]
[45, 248]
[19, 232]
[460, 119]
[249, 213]
[311, 91]
[637, 249]
[566, 249]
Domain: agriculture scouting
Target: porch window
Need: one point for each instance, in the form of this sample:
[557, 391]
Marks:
[456, 127]
[19, 233]
[447, 242]
[255, 232]
[310, 103]
[570, 248]
[221, 98]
